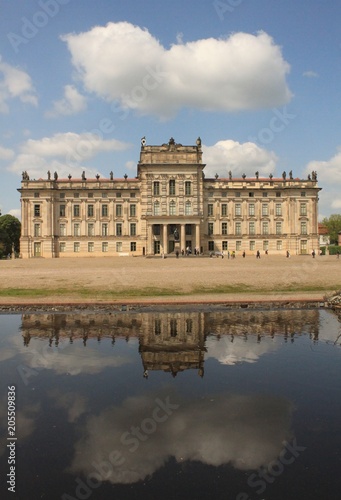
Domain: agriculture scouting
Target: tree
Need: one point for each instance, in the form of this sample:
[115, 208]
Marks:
[333, 224]
[10, 229]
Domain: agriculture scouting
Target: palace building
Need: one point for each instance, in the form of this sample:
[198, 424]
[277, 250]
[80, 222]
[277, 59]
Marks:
[170, 206]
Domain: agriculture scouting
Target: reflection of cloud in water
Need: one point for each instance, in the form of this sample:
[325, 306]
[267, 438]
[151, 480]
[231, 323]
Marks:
[230, 353]
[66, 358]
[245, 431]
[74, 404]
[24, 420]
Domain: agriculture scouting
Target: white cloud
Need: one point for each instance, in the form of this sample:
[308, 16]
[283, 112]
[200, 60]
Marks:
[15, 83]
[230, 430]
[72, 103]
[310, 74]
[16, 212]
[240, 158]
[329, 177]
[6, 154]
[124, 63]
[63, 152]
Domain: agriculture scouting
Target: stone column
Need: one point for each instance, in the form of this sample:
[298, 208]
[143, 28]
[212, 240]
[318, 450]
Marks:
[182, 237]
[165, 239]
[197, 236]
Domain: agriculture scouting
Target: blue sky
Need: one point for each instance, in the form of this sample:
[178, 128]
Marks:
[81, 81]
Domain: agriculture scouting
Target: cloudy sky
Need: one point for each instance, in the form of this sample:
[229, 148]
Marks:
[82, 81]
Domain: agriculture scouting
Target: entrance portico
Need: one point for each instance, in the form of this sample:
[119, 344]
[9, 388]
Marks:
[163, 236]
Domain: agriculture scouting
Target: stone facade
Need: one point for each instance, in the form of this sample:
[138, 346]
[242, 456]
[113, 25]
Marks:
[169, 206]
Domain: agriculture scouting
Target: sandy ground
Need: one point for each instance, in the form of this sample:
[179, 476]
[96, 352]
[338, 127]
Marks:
[268, 278]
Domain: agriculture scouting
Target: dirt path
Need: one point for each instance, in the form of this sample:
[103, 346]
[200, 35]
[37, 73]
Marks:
[195, 279]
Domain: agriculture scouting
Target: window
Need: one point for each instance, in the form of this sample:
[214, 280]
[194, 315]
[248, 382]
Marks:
[156, 188]
[156, 229]
[238, 245]
[251, 195]
[36, 230]
[61, 210]
[303, 228]
[62, 229]
[188, 208]
[132, 210]
[303, 209]
[265, 227]
[279, 245]
[224, 194]
[211, 246]
[37, 195]
[90, 210]
[157, 327]
[278, 209]
[251, 228]
[156, 208]
[133, 246]
[265, 245]
[133, 229]
[224, 228]
[252, 209]
[105, 246]
[237, 195]
[278, 228]
[62, 246]
[119, 229]
[36, 210]
[119, 246]
[104, 195]
[302, 193]
[118, 210]
[77, 229]
[238, 228]
[188, 229]
[210, 209]
[225, 245]
[210, 228]
[132, 195]
[76, 195]
[105, 229]
[265, 195]
[189, 325]
[76, 210]
[91, 246]
[172, 208]
[187, 188]
[238, 209]
[91, 229]
[265, 209]
[104, 210]
[76, 247]
[278, 194]
[252, 245]
[172, 187]
[173, 327]
[118, 195]
[224, 210]
[90, 195]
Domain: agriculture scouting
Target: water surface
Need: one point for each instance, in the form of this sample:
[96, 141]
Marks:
[211, 404]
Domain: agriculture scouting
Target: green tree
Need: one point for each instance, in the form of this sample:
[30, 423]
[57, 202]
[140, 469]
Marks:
[10, 229]
[333, 224]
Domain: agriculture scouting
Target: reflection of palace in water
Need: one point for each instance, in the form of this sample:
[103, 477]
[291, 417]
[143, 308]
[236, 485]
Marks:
[171, 341]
